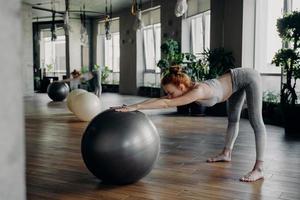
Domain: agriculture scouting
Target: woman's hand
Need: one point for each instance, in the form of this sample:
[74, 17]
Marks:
[125, 108]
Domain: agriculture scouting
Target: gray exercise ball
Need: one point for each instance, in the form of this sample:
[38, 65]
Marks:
[120, 147]
[58, 91]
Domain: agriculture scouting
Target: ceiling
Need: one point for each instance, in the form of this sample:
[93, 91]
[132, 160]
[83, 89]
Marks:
[90, 5]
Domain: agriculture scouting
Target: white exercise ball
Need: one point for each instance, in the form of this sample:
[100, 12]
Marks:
[72, 96]
[86, 106]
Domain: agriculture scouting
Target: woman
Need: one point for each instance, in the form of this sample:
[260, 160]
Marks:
[93, 78]
[233, 86]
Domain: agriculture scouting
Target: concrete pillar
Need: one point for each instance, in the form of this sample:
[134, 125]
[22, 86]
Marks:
[170, 24]
[131, 73]
[227, 26]
[128, 67]
[12, 152]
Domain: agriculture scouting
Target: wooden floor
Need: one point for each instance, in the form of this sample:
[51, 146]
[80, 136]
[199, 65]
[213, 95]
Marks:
[55, 169]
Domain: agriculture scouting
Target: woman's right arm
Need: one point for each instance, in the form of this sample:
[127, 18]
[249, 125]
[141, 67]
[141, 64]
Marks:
[160, 103]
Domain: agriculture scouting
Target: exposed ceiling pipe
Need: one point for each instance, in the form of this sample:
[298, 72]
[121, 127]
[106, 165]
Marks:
[62, 12]
[48, 10]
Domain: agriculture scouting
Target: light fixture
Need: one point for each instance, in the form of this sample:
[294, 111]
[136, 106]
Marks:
[136, 10]
[180, 8]
[134, 7]
[67, 26]
[107, 21]
[37, 35]
[83, 31]
[53, 25]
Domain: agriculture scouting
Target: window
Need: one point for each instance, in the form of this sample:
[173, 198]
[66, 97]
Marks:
[108, 51]
[112, 52]
[52, 53]
[200, 33]
[149, 40]
[267, 40]
[196, 27]
[296, 5]
[196, 33]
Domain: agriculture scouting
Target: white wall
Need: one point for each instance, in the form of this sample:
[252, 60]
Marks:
[12, 152]
[27, 50]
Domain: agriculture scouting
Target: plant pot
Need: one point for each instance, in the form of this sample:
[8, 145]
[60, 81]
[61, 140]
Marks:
[110, 88]
[272, 114]
[291, 121]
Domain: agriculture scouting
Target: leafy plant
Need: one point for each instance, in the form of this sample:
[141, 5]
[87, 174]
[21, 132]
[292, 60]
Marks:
[105, 74]
[84, 69]
[288, 58]
[219, 61]
[172, 55]
[271, 97]
[212, 64]
[49, 67]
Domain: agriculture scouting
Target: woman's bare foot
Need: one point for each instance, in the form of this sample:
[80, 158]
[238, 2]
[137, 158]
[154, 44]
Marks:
[224, 156]
[255, 174]
[252, 176]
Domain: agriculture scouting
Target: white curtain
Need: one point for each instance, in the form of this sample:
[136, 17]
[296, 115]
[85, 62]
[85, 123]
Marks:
[199, 33]
[151, 41]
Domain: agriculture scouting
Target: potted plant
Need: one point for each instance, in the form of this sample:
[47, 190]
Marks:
[288, 59]
[191, 66]
[218, 61]
[271, 110]
[108, 86]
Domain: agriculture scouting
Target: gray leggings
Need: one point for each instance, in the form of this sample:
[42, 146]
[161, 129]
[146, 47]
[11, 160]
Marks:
[246, 83]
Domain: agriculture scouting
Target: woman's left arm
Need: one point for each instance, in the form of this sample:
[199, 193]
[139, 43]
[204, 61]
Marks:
[160, 103]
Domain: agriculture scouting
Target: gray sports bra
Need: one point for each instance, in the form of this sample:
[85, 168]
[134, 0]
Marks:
[217, 89]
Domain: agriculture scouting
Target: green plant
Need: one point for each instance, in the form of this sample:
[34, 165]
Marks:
[84, 69]
[219, 61]
[288, 58]
[105, 74]
[172, 55]
[271, 97]
[197, 69]
[49, 67]
[96, 67]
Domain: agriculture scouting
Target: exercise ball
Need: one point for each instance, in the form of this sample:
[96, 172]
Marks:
[120, 147]
[58, 91]
[72, 95]
[85, 106]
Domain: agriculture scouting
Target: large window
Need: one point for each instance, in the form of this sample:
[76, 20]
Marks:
[150, 37]
[296, 5]
[196, 27]
[52, 54]
[112, 52]
[200, 33]
[267, 41]
[108, 51]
